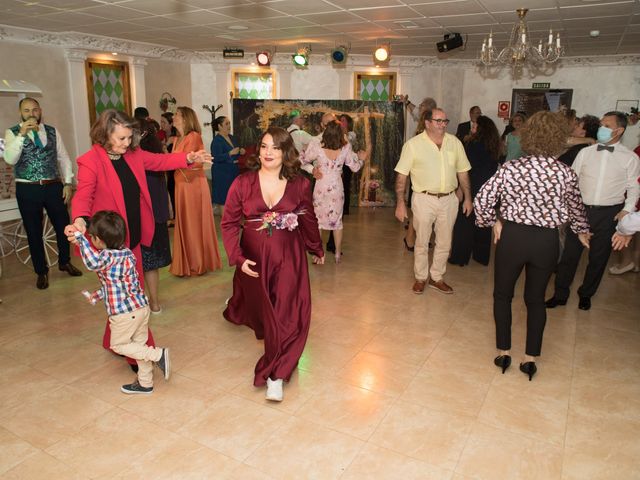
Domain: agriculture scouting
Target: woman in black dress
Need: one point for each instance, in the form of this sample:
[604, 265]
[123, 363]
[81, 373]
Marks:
[469, 240]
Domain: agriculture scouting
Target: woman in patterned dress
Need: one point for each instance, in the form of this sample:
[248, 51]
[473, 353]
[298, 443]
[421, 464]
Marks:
[330, 154]
[537, 194]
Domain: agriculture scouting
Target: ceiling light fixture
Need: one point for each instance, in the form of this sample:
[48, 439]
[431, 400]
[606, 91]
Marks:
[520, 52]
[382, 55]
[301, 57]
[339, 56]
[264, 58]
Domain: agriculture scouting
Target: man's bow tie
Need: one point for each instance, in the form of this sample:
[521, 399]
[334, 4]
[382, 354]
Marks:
[605, 147]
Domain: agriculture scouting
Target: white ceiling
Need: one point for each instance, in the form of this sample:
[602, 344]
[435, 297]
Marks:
[209, 25]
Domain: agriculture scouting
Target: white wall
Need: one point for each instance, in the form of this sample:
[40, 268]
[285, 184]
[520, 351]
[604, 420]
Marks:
[45, 67]
[595, 88]
[162, 76]
[319, 82]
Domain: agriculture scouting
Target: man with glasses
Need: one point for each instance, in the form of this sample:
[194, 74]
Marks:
[438, 167]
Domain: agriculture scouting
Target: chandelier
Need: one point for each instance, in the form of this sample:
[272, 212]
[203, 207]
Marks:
[521, 52]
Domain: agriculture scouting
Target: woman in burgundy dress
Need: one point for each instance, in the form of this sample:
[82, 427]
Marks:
[272, 206]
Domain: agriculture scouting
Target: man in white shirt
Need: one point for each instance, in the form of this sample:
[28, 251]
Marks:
[300, 138]
[607, 171]
[41, 165]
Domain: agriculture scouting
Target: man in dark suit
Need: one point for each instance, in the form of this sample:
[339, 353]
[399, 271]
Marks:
[466, 129]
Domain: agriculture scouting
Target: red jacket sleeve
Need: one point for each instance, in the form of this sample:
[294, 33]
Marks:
[162, 161]
[82, 201]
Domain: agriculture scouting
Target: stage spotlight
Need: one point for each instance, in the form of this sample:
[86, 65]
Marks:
[301, 57]
[339, 56]
[382, 55]
[264, 58]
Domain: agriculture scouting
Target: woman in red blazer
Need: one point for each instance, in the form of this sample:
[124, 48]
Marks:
[111, 176]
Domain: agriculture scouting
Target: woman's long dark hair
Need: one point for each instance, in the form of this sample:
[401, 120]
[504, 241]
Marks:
[487, 134]
[281, 139]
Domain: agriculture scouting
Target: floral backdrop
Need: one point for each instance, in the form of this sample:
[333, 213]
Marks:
[378, 125]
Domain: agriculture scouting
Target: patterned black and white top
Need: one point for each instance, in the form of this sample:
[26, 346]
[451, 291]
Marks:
[535, 191]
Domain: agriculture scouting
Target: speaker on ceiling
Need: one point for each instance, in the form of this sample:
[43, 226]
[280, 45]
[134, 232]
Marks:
[451, 41]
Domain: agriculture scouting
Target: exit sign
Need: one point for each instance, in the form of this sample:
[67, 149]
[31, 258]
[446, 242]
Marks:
[540, 85]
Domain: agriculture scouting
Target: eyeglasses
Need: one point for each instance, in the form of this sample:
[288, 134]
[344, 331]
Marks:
[440, 120]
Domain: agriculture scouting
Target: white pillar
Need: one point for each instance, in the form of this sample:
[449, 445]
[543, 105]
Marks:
[405, 80]
[80, 118]
[138, 87]
[284, 82]
[223, 89]
[345, 85]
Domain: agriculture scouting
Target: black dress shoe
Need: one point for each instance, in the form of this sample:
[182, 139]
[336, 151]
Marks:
[70, 269]
[528, 368]
[585, 303]
[43, 281]
[553, 302]
[503, 362]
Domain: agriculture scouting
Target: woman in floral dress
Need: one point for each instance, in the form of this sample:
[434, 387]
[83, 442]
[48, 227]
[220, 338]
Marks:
[329, 155]
[271, 205]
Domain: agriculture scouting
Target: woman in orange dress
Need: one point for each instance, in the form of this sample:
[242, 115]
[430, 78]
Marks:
[195, 244]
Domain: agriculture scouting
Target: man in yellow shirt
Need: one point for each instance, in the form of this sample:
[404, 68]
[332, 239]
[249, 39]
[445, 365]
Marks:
[438, 167]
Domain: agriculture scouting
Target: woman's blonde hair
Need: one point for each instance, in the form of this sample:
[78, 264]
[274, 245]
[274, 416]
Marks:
[191, 123]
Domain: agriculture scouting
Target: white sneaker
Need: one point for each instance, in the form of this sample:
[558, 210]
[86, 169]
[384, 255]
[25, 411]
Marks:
[274, 390]
[620, 270]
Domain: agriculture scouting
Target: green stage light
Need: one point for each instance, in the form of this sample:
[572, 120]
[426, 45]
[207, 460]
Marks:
[301, 57]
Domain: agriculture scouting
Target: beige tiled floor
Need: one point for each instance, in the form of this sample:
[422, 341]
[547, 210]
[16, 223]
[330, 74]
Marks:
[391, 386]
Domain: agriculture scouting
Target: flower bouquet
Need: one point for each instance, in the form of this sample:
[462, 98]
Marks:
[278, 221]
[374, 185]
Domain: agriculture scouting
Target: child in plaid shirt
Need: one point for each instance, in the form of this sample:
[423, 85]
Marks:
[127, 306]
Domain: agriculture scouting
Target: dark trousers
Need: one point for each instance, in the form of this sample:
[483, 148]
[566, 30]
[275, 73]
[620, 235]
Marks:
[603, 226]
[32, 199]
[536, 250]
[347, 174]
[171, 187]
[468, 240]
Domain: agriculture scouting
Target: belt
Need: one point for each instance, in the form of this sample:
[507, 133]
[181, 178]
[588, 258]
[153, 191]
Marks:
[42, 182]
[599, 207]
[438, 195]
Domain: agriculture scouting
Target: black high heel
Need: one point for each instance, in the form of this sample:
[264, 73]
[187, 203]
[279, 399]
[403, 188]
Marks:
[406, 245]
[529, 368]
[502, 361]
